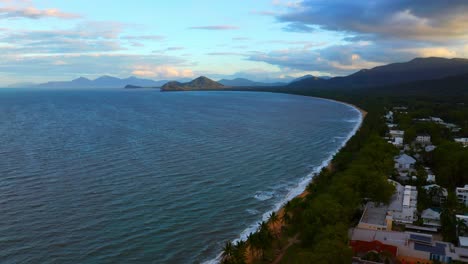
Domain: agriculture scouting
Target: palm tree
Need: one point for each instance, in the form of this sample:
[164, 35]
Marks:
[228, 252]
[274, 220]
[240, 251]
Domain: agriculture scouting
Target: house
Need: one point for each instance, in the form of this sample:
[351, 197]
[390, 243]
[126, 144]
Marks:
[463, 141]
[397, 141]
[431, 217]
[375, 217]
[431, 178]
[437, 193]
[437, 120]
[389, 116]
[462, 194]
[404, 209]
[411, 247]
[423, 139]
[404, 162]
[396, 133]
[430, 148]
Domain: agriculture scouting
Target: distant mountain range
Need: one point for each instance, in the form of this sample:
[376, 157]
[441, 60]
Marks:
[419, 69]
[200, 83]
[246, 82]
[103, 82]
[396, 73]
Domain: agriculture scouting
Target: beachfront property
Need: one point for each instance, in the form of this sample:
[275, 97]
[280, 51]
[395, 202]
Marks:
[401, 209]
[375, 217]
[463, 141]
[407, 247]
[431, 218]
[423, 139]
[462, 194]
[404, 162]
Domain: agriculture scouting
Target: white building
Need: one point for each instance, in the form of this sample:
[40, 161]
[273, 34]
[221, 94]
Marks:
[437, 120]
[403, 206]
[396, 133]
[463, 141]
[431, 218]
[431, 178]
[404, 162]
[389, 116]
[462, 194]
[430, 148]
[397, 141]
[423, 139]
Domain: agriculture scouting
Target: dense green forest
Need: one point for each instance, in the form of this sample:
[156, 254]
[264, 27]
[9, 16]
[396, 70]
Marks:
[314, 228]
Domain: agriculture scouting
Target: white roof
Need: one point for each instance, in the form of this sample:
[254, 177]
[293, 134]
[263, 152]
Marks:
[405, 159]
[463, 241]
[430, 148]
[430, 214]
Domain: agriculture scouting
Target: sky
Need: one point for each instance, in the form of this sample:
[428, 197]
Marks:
[263, 40]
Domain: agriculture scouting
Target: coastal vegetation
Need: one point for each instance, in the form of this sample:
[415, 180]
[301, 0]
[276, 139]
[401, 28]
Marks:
[313, 228]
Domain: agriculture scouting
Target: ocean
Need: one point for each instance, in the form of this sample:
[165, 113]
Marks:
[142, 176]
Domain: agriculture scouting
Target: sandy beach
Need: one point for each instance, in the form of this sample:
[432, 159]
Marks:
[278, 226]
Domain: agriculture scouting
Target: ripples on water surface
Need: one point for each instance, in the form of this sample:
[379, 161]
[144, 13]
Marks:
[126, 176]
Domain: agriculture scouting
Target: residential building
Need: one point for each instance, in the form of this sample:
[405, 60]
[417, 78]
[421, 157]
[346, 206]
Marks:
[430, 148]
[404, 207]
[431, 217]
[375, 217]
[411, 247]
[438, 194]
[463, 141]
[462, 194]
[397, 141]
[423, 139]
[437, 120]
[404, 162]
[396, 133]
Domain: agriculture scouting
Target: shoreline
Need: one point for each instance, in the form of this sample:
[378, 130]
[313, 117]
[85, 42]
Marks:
[327, 163]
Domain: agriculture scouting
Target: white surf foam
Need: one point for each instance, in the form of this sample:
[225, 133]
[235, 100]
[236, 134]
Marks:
[299, 188]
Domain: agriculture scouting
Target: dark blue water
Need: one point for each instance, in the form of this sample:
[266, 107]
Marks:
[125, 176]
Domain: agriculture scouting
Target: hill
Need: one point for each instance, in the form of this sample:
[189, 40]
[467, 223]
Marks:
[415, 70]
[103, 82]
[240, 82]
[200, 83]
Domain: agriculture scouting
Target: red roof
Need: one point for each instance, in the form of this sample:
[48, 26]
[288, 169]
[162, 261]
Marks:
[359, 246]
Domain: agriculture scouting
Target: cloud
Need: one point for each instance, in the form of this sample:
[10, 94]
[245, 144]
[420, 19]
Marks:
[241, 38]
[175, 48]
[35, 13]
[217, 27]
[226, 53]
[298, 27]
[70, 66]
[428, 20]
[161, 72]
[90, 36]
[144, 37]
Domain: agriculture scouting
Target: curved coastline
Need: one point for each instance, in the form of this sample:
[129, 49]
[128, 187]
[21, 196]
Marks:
[300, 189]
